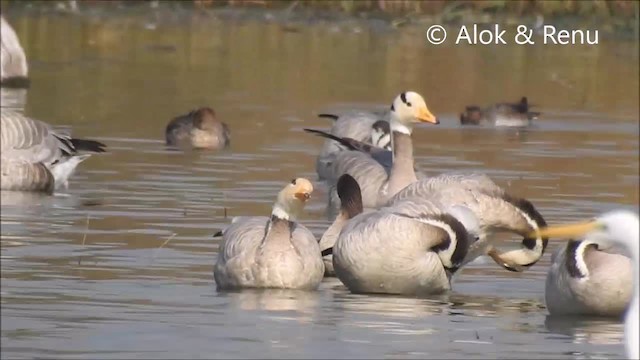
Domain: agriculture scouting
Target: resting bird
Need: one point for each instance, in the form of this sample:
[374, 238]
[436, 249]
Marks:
[586, 278]
[368, 127]
[378, 177]
[501, 114]
[409, 248]
[36, 158]
[276, 252]
[618, 227]
[200, 129]
[13, 61]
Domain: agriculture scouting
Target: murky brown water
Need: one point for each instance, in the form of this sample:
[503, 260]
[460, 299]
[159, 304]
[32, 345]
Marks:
[100, 281]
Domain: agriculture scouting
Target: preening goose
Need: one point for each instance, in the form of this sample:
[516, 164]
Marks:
[276, 252]
[200, 129]
[350, 206]
[501, 114]
[36, 158]
[618, 227]
[368, 127]
[409, 248]
[379, 180]
[14, 69]
[587, 279]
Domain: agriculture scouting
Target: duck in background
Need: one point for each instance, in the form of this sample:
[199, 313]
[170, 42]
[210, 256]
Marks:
[500, 115]
[199, 129]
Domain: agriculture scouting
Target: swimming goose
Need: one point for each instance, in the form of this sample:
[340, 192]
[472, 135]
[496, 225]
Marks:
[501, 114]
[368, 127]
[350, 206]
[409, 248]
[276, 252]
[495, 209]
[14, 69]
[199, 128]
[380, 179]
[586, 279]
[619, 227]
[36, 158]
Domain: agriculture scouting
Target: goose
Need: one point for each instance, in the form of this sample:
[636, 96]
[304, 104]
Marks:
[275, 252]
[619, 227]
[35, 157]
[350, 206]
[199, 128]
[368, 127]
[495, 209]
[501, 114]
[587, 279]
[381, 173]
[409, 248]
[14, 70]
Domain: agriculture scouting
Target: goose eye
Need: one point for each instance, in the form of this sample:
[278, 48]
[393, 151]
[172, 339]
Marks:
[408, 104]
[293, 181]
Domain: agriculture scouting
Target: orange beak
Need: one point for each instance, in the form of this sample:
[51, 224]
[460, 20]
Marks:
[424, 115]
[302, 196]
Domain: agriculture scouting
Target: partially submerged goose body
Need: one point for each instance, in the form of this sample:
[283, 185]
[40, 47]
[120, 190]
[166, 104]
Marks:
[275, 252]
[35, 157]
[199, 129]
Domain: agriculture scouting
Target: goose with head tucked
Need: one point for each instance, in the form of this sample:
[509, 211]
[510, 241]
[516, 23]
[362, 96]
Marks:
[409, 248]
[620, 227]
[14, 70]
[199, 129]
[500, 115]
[368, 127]
[37, 158]
[380, 173]
[275, 252]
[495, 209]
[589, 278]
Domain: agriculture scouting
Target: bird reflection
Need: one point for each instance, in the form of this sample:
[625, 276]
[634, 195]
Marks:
[591, 330]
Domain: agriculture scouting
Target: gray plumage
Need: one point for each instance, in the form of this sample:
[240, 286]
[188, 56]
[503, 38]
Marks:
[35, 157]
[200, 129]
[13, 61]
[586, 280]
[410, 248]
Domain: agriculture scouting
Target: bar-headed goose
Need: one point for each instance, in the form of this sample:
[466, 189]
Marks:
[586, 278]
[368, 127]
[275, 252]
[620, 227]
[409, 248]
[501, 114]
[200, 129]
[350, 206]
[14, 70]
[36, 158]
[379, 178]
[496, 210]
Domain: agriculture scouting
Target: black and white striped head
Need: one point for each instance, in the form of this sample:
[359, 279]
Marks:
[407, 109]
[381, 134]
[454, 247]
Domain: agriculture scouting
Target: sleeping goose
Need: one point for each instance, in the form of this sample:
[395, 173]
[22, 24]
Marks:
[620, 227]
[496, 210]
[409, 248]
[501, 114]
[275, 252]
[380, 173]
[199, 128]
[14, 69]
[368, 127]
[36, 158]
[586, 278]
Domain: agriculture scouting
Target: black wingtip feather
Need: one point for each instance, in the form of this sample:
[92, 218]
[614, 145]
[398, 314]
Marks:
[350, 195]
[218, 234]
[329, 116]
[88, 145]
[326, 252]
[344, 141]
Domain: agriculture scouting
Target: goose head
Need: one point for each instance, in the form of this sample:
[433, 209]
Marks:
[407, 109]
[292, 199]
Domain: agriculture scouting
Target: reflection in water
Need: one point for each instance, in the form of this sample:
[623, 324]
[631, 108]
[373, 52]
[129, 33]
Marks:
[94, 274]
[587, 330]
